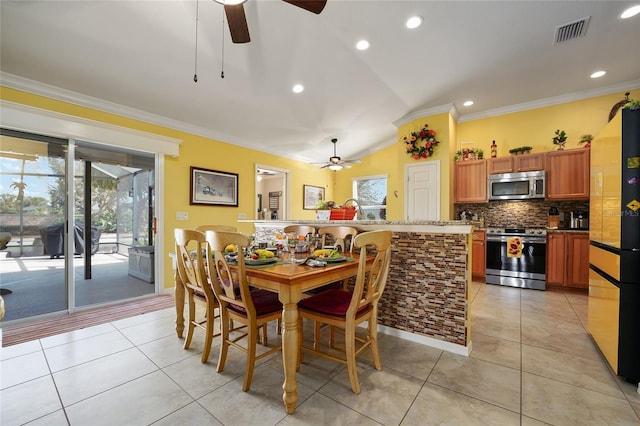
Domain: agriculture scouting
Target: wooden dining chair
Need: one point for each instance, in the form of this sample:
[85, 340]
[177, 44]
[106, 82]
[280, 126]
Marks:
[300, 229]
[342, 237]
[238, 302]
[190, 246]
[344, 310]
[339, 236]
[227, 228]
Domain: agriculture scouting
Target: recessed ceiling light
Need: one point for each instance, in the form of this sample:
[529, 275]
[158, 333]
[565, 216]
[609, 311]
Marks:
[598, 74]
[298, 88]
[362, 45]
[467, 103]
[632, 11]
[414, 22]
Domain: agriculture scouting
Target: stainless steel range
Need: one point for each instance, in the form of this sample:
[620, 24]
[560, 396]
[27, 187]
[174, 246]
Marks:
[516, 257]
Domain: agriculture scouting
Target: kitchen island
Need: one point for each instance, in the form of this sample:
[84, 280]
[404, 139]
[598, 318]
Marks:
[427, 294]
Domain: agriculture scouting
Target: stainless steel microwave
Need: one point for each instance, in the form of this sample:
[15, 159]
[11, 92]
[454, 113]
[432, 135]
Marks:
[517, 186]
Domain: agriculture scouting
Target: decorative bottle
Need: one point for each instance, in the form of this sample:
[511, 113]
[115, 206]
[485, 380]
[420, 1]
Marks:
[494, 150]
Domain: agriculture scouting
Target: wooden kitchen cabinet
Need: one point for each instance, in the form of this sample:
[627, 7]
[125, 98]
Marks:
[516, 163]
[528, 162]
[478, 254]
[470, 181]
[578, 265]
[568, 259]
[500, 165]
[568, 174]
[556, 258]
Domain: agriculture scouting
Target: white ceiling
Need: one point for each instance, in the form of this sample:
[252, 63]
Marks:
[141, 55]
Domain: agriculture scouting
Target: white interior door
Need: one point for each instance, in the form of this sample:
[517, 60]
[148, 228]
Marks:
[423, 191]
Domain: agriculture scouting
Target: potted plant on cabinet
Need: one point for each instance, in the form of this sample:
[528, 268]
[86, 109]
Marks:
[520, 150]
[586, 140]
[560, 139]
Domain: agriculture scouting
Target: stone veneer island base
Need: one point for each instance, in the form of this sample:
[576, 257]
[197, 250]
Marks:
[426, 299]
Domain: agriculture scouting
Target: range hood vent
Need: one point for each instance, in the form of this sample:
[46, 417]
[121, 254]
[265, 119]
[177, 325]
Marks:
[571, 30]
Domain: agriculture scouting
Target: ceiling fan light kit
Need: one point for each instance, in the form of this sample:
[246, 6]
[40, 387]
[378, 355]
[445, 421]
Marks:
[336, 163]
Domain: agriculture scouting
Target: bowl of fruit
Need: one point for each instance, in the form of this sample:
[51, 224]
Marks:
[328, 255]
[260, 257]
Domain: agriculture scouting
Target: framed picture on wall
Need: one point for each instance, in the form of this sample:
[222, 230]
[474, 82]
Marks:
[213, 188]
[311, 196]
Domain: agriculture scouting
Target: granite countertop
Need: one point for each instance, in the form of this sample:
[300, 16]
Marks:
[421, 226]
[567, 231]
[365, 222]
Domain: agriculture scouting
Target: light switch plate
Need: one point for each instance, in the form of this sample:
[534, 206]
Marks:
[242, 216]
[182, 216]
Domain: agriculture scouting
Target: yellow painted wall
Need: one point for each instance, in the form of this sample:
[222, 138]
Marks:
[445, 129]
[533, 127]
[536, 127]
[382, 162]
[201, 152]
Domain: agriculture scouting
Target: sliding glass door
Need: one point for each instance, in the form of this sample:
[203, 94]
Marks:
[113, 212]
[32, 224]
[98, 224]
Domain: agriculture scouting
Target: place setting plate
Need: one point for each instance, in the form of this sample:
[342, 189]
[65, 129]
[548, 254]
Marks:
[331, 259]
[260, 261]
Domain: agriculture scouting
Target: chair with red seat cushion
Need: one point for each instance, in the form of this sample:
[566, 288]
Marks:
[342, 238]
[190, 246]
[251, 308]
[345, 310]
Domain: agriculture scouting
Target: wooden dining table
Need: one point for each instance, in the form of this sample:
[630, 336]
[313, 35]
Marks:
[289, 281]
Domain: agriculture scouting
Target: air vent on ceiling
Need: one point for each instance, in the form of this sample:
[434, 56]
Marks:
[571, 30]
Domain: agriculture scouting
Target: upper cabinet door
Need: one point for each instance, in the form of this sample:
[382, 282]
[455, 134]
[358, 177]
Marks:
[470, 181]
[528, 162]
[568, 174]
[500, 165]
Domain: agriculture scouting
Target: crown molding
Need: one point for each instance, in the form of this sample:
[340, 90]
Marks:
[37, 88]
[554, 100]
[53, 92]
[46, 122]
[450, 108]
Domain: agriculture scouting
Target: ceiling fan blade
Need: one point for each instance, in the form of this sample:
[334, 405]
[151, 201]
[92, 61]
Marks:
[314, 6]
[237, 23]
[352, 161]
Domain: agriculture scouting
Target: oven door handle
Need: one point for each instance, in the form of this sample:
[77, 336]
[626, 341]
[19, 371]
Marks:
[525, 240]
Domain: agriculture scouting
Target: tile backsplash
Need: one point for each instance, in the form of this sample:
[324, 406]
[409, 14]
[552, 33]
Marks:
[529, 213]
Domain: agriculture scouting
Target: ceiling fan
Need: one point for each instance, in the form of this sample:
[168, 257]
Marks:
[335, 163]
[234, 9]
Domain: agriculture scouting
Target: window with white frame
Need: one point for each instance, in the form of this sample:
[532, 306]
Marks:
[371, 194]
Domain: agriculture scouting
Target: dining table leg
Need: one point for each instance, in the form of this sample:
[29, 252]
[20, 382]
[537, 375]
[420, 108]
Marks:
[179, 299]
[290, 297]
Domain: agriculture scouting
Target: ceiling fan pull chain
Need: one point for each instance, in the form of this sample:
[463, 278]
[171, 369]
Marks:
[195, 73]
[222, 64]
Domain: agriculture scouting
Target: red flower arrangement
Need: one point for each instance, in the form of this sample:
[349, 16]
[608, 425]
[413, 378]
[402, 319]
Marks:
[417, 150]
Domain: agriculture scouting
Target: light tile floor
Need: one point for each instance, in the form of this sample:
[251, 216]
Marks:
[532, 363]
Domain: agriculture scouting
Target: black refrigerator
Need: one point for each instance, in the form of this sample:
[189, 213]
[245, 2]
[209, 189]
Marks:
[614, 252]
